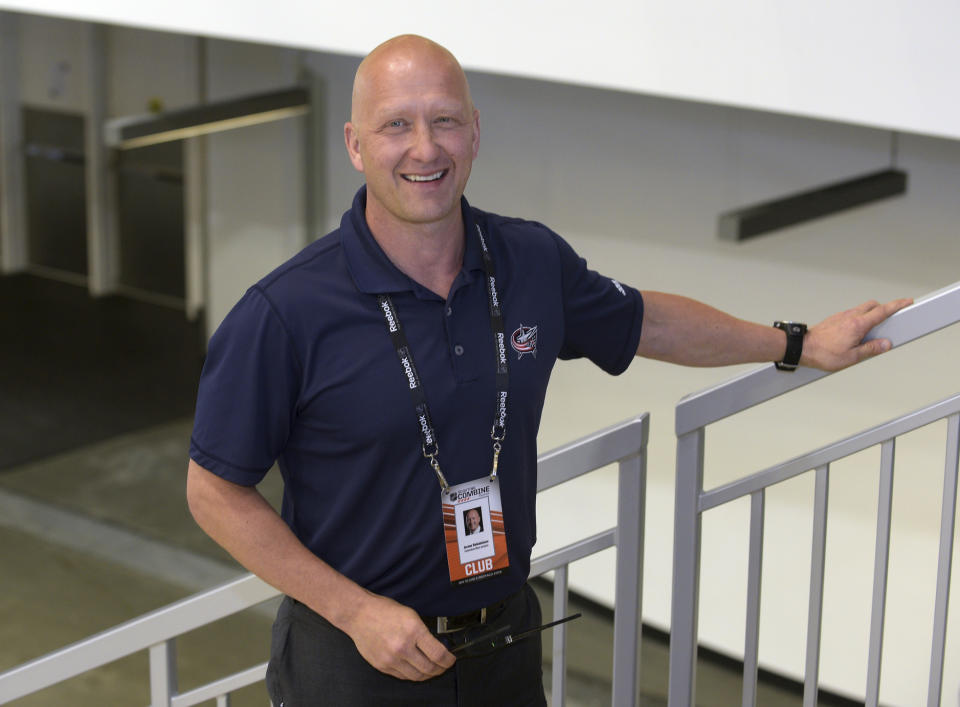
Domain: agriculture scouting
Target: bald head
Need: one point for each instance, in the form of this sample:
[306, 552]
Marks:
[404, 56]
[414, 134]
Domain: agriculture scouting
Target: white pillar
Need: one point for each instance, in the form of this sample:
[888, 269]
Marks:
[13, 209]
[103, 248]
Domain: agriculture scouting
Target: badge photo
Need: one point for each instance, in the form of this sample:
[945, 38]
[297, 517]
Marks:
[473, 531]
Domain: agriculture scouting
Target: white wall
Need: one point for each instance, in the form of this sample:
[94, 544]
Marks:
[134, 55]
[256, 180]
[53, 66]
[885, 63]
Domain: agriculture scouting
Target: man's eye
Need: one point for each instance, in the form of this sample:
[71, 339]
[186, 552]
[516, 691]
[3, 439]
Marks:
[444, 119]
[395, 124]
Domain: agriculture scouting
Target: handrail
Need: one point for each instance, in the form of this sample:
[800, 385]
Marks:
[929, 314]
[872, 437]
[693, 413]
[135, 635]
[619, 443]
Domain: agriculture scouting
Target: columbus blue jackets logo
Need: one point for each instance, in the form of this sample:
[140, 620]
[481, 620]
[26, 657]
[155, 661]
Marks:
[524, 341]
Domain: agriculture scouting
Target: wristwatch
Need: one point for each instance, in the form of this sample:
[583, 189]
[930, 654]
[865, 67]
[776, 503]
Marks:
[795, 332]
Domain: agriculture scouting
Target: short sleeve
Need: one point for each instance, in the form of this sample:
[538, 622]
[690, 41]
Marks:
[602, 317]
[248, 392]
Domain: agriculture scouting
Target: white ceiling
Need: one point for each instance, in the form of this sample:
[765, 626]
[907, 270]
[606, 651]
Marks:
[884, 63]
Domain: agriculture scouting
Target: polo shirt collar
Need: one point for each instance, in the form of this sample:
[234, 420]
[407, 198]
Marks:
[369, 266]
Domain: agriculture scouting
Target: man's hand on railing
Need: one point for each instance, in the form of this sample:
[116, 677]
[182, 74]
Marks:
[837, 341]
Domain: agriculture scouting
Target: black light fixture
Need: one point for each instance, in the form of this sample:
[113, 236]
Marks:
[750, 221]
[139, 131]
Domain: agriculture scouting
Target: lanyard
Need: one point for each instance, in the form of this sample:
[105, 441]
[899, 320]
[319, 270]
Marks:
[428, 435]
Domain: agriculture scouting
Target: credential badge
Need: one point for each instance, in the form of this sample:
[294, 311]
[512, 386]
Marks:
[524, 341]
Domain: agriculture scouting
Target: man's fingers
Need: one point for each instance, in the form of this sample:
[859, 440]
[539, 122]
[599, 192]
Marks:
[422, 665]
[394, 640]
[436, 652]
[879, 312]
[872, 348]
[866, 307]
[896, 305]
[837, 341]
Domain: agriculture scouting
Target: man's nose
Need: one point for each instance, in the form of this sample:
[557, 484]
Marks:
[424, 147]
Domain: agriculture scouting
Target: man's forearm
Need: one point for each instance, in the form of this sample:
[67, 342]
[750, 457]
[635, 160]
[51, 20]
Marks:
[681, 330]
[241, 521]
[390, 636]
[684, 331]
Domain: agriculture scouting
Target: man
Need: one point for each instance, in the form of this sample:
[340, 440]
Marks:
[414, 303]
[471, 521]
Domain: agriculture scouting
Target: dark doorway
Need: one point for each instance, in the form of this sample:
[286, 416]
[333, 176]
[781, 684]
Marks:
[150, 206]
[56, 192]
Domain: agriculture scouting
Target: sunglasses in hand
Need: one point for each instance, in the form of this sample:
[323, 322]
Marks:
[501, 638]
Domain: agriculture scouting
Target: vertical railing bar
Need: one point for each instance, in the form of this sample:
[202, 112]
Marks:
[751, 649]
[628, 597]
[163, 673]
[686, 570]
[945, 560]
[815, 611]
[881, 564]
[558, 681]
[223, 701]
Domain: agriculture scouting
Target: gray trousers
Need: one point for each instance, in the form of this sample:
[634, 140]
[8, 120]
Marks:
[313, 663]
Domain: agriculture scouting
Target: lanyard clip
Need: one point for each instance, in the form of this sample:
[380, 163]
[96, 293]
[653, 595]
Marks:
[431, 456]
[497, 434]
[496, 460]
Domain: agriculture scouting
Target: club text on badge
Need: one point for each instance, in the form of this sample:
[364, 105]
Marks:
[478, 566]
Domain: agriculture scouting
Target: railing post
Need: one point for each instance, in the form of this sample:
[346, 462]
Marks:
[628, 597]
[881, 564]
[944, 562]
[751, 642]
[163, 673]
[811, 680]
[686, 569]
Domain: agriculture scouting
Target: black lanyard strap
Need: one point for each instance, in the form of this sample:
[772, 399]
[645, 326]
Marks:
[428, 435]
[499, 430]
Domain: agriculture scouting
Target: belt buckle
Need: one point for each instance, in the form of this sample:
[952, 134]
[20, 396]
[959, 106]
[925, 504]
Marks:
[443, 623]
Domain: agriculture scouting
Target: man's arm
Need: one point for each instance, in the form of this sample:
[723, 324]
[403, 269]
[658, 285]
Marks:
[681, 330]
[390, 636]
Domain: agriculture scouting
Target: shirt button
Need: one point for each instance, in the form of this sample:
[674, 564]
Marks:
[449, 311]
[458, 350]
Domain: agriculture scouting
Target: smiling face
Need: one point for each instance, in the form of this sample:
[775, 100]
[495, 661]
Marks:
[472, 521]
[414, 134]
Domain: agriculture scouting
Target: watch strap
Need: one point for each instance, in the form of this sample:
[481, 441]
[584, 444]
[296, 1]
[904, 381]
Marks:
[795, 332]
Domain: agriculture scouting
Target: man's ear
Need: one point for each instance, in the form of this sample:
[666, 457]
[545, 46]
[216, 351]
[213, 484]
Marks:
[351, 138]
[476, 132]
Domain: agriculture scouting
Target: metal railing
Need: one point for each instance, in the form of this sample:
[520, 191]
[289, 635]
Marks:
[695, 412]
[156, 632]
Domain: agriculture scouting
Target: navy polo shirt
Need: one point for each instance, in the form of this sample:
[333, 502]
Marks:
[302, 372]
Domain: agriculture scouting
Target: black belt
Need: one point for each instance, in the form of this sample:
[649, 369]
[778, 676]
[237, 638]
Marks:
[478, 617]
